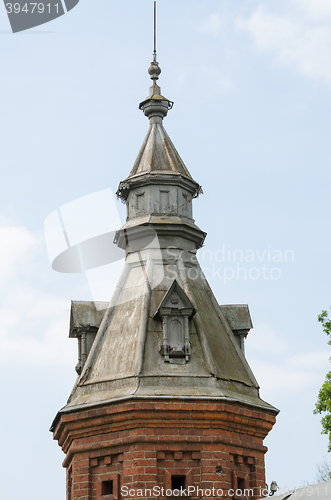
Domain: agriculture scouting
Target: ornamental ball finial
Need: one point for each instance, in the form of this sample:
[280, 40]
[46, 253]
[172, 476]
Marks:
[154, 70]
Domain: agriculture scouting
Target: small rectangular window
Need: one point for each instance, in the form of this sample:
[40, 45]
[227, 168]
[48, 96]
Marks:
[107, 488]
[164, 202]
[241, 488]
[140, 201]
[241, 484]
[178, 482]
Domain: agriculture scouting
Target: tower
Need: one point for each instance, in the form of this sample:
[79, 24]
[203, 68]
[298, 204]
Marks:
[165, 402]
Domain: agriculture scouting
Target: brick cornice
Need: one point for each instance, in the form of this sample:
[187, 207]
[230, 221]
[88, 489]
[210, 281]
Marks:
[117, 418]
[131, 440]
[156, 422]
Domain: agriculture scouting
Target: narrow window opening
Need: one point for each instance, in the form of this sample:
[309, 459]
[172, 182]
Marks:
[140, 201]
[164, 202]
[107, 488]
[178, 482]
[241, 487]
[241, 484]
[70, 485]
[185, 205]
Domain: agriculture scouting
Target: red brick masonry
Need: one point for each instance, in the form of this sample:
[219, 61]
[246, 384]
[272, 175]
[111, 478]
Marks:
[140, 445]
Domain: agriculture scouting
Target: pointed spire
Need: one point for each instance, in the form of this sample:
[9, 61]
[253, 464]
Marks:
[155, 104]
[160, 169]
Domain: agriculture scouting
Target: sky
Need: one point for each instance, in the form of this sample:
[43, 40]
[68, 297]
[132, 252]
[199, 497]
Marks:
[251, 82]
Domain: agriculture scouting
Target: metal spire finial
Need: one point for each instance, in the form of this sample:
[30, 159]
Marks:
[154, 53]
[154, 70]
[155, 106]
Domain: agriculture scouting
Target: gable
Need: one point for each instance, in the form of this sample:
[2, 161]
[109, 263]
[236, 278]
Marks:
[175, 298]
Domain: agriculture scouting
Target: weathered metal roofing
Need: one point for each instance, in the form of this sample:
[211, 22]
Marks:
[131, 354]
[85, 315]
[319, 491]
[238, 316]
[158, 154]
[125, 359]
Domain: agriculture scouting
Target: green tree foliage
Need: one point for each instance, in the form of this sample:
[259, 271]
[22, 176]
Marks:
[323, 405]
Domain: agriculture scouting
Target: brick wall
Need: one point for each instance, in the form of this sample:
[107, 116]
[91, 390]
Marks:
[140, 445]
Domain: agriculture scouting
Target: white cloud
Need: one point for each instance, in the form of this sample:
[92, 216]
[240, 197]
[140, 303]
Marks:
[264, 340]
[296, 40]
[302, 373]
[212, 24]
[315, 360]
[43, 343]
[34, 323]
[279, 370]
[16, 246]
[314, 9]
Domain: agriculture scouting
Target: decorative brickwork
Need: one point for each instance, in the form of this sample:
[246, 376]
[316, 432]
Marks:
[140, 445]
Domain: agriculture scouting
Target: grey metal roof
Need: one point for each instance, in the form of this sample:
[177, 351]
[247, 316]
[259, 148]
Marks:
[85, 315]
[317, 491]
[158, 154]
[126, 357]
[238, 316]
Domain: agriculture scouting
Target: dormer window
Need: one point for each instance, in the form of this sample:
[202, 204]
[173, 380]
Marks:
[175, 311]
[85, 319]
[239, 320]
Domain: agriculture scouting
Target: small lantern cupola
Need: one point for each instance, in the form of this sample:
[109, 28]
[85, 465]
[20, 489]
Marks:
[159, 189]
